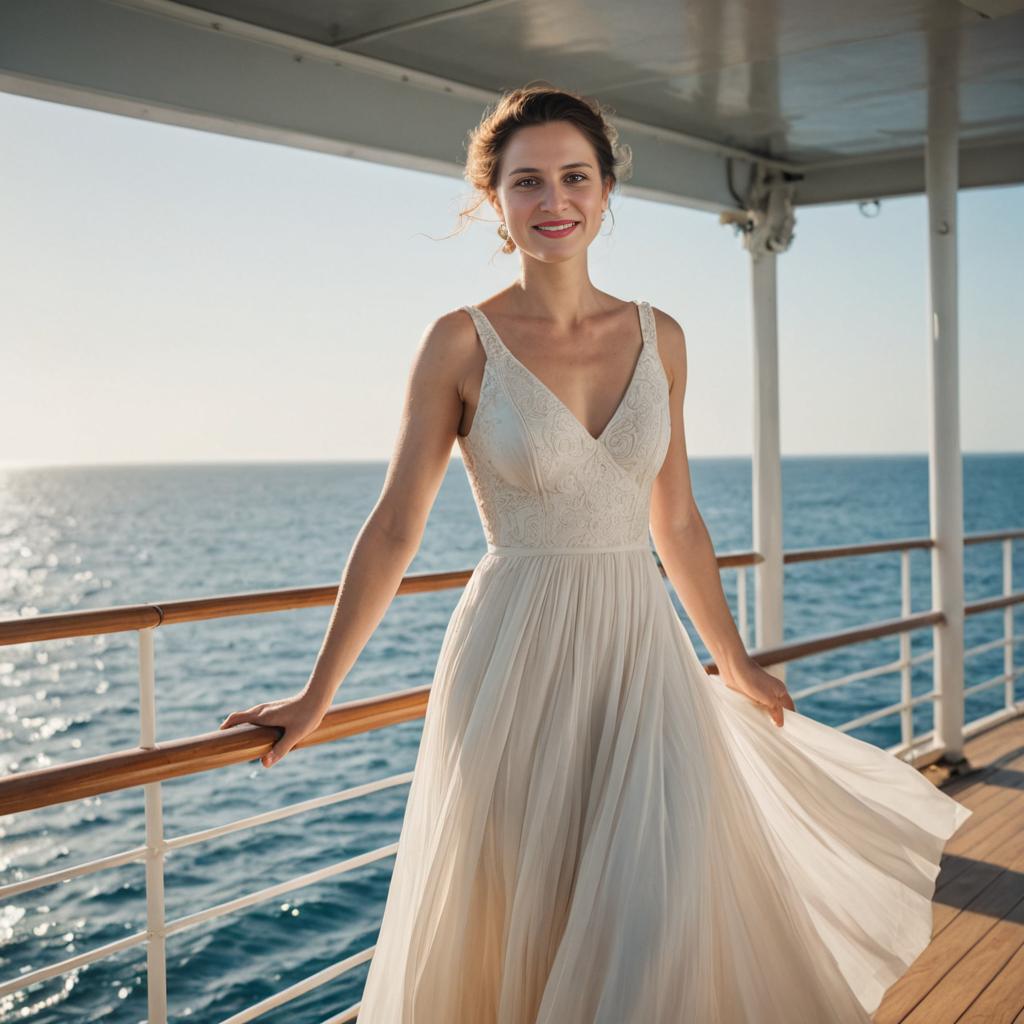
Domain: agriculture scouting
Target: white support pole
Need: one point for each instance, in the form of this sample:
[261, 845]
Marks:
[945, 473]
[767, 460]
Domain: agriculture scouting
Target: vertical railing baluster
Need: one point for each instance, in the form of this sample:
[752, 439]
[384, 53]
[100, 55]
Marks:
[1008, 622]
[741, 602]
[906, 688]
[156, 938]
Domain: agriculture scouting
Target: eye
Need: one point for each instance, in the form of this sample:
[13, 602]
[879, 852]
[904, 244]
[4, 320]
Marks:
[573, 174]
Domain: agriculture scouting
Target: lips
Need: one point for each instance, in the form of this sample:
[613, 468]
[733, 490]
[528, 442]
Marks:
[558, 229]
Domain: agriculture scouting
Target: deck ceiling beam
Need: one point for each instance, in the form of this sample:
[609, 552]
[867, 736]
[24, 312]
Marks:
[175, 64]
[206, 72]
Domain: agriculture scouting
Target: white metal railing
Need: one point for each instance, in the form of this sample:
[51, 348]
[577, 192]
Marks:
[157, 929]
[157, 845]
[1009, 674]
[904, 663]
[741, 605]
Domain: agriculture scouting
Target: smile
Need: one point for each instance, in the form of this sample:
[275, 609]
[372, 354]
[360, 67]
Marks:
[557, 232]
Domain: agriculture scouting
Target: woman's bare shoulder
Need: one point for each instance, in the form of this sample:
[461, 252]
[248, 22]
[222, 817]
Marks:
[449, 346]
[451, 334]
[668, 325]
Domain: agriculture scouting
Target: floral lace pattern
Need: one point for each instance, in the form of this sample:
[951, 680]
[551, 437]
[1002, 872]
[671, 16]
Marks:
[539, 477]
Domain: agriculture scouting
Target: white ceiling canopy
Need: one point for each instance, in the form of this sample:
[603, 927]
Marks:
[833, 95]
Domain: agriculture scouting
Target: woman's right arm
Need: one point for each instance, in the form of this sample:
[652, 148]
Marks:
[390, 536]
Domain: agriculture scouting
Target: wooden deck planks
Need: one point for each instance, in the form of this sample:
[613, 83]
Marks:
[973, 970]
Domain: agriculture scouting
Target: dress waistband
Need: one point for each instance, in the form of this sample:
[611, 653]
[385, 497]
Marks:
[509, 549]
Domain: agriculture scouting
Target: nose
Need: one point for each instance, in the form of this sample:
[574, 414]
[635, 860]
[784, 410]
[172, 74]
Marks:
[553, 199]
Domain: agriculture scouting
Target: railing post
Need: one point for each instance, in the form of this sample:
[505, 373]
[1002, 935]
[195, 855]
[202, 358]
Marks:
[945, 470]
[906, 681]
[741, 603]
[156, 942]
[1011, 698]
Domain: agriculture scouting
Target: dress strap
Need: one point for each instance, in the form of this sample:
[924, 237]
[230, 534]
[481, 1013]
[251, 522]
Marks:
[646, 322]
[492, 345]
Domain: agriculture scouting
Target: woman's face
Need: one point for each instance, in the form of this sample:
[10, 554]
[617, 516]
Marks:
[549, 175]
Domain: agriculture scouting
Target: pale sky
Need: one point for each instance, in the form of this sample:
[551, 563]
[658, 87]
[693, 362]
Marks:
[170, 294]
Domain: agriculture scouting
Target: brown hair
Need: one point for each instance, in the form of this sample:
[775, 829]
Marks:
[537, 103]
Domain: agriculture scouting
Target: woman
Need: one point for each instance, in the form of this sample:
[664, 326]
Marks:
[597, 832]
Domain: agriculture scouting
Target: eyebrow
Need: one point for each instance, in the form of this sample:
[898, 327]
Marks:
[564, 167]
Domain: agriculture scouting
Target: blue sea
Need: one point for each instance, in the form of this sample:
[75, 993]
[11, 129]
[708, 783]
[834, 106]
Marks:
[77, 538]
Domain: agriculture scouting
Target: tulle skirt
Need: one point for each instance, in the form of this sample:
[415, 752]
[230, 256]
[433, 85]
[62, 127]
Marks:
[599, 832]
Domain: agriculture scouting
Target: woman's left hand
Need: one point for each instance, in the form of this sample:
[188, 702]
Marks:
[761, 687]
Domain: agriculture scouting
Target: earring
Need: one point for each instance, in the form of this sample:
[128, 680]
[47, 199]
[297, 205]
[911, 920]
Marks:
[503, 231]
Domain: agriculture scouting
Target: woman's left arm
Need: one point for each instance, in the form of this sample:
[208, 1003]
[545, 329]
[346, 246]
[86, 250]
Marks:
[685, 549]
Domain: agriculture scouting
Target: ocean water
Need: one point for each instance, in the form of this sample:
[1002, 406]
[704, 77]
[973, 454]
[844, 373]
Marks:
[77, 538]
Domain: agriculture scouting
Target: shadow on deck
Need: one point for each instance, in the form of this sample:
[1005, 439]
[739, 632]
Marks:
[973, 970]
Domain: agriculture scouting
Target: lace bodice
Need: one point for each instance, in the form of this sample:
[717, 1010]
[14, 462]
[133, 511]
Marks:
[540, 478]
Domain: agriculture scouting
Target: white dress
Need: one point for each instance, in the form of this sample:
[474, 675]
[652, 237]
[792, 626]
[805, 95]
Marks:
[599, 832]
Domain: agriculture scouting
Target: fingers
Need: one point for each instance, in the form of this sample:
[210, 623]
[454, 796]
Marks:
[276, 752]
[252, 716]
[782, 700]
[239, 717]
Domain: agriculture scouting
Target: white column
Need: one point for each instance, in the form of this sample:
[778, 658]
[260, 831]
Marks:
[945, 476]
[767, 460]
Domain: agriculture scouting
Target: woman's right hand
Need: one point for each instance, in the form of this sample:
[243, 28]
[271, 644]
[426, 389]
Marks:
[297, 715]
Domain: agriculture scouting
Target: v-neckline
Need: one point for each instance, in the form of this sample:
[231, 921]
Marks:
[599, 439]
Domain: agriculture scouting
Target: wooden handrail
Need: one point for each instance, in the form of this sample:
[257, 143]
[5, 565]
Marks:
[779, 653]
[986, 538]
[991, 604]
[136, 766]
[735, 559]
[119, 618]
[141, 765]
[844, 550]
